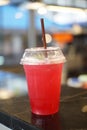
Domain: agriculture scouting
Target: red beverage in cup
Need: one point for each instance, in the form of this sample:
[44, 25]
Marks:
[43, 72]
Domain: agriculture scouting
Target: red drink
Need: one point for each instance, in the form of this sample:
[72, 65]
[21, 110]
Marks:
[43, 68]
[44, 87]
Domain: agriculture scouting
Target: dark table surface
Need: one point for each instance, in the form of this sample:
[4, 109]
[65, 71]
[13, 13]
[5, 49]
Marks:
[72, 114]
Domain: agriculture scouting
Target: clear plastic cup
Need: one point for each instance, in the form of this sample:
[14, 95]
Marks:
[43, 69]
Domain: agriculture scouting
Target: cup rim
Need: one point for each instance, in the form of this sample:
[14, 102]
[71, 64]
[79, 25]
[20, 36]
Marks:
[38, 49]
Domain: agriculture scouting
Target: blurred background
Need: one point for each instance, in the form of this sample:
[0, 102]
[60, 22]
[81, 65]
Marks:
[65, 26]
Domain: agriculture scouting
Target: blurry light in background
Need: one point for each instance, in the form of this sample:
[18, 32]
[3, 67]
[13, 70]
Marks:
[63, 37]
[76, 29]
[48, 38]
[5, 94]
[2, 60]
[64, 9]
[42, 10]
[18, 15]
[4, 2]
[32, 5]
[62, 19]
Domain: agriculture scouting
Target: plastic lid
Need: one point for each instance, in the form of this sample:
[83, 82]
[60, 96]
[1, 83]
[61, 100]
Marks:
[39, 55]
